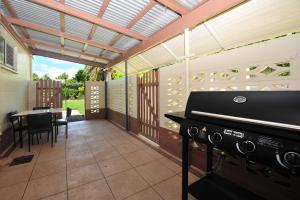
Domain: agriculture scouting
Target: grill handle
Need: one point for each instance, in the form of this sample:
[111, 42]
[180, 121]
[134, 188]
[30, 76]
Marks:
[248, 120]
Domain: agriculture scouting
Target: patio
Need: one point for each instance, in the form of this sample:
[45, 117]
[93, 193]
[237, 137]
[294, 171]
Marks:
[162, 51]
[97, 161]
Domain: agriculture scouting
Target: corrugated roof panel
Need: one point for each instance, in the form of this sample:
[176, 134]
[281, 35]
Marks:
[176, 45]
[48, 49]
[101, 60]
[87, 57]
[202, 42]
[4, 9]
[157, 18]
[67, 53]
[37, 14]
[77, 26]
[158, 56]
[126, 43]
[110, 55]
[121, 68]
[74, 45]
[90, 6]
[138, 63]
[256, 20]
[93, 50]
[103, 35]
[35, 35]
[121, 12]
[189, 3]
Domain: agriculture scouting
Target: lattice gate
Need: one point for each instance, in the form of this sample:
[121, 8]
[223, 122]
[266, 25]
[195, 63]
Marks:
[148, 104]
[49, 93]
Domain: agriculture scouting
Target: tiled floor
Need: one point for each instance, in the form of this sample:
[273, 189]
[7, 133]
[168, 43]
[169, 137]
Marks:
[97, 161]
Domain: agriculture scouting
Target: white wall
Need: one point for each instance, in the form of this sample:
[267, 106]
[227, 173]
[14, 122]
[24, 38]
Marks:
[205, 73]
[116, 95]
[13, 86]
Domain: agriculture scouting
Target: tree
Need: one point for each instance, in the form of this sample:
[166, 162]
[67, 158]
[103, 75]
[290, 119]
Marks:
[64, 76]
[46, 77]
[82, 76]
[35, 77]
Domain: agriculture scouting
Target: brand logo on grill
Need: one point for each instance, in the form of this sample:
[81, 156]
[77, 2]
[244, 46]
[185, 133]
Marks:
[239, 99]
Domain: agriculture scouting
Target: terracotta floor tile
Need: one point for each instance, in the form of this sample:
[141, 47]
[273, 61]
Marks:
[171, 189]
[126, 183]
[14, 176]
[48, 167]
[45, 186]
[13, 192]
[154, 154]
[127, 148]
[97, 190]
[54, 154]
[114, 165]
[138, 158]
[106, 154]
[155, 172]
[80, 161]
[82, 175]
[148, 194]
[59, 196]
[170, 164]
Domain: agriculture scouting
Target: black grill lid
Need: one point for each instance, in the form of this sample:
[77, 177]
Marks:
[269, 108]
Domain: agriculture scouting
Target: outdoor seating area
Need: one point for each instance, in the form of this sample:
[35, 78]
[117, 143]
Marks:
[149, 99]
[97, 161]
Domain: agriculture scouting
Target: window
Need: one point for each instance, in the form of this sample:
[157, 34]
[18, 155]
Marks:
[7, 55]
[2, 50]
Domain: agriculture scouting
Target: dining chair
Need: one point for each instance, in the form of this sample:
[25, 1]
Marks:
[41, 108]
[15, 126]
[39, 123]
[64, 122]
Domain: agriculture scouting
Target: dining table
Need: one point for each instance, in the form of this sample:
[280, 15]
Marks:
[23, 114]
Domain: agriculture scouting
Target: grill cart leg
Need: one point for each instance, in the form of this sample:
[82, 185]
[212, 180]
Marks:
[185, 167]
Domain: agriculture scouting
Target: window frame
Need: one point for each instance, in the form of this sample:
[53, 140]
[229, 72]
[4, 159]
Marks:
[4, 63]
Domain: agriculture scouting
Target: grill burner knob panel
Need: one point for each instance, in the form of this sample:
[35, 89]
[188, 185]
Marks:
[215, 138]
[193, 131]
[247, 146]
[292, 158]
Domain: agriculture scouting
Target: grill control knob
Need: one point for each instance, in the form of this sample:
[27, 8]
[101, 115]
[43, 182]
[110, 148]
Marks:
[292, 158]
[193, 131]
[215, 138]
[247, 146]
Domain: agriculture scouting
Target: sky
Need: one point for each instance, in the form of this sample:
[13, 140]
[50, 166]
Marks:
[53, 67]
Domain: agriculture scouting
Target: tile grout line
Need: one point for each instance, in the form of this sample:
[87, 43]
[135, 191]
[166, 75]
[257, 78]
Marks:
[66, 169]
[31, 172]
[101, 172]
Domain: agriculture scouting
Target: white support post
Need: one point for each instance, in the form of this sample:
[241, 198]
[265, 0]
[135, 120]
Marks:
[187, 60]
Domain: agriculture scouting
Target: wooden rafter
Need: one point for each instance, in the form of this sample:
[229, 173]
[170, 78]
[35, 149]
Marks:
[14, 14]
[65, 49]
[7, 26]
[94, 27]
[51, 31]
[64, 57]
[88, 17]
[174, 6]
[199, 15]
[148, 7]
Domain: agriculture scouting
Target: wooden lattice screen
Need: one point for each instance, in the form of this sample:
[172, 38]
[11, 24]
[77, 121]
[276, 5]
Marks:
[148, 104]
[49, 93]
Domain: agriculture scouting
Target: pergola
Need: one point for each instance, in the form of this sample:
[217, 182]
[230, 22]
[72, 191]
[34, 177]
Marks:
[103, 33]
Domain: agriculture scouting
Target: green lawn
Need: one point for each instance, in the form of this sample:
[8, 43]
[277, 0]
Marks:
[77, 104]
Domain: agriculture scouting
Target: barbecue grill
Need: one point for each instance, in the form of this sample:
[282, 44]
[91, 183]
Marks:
[259, 126]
